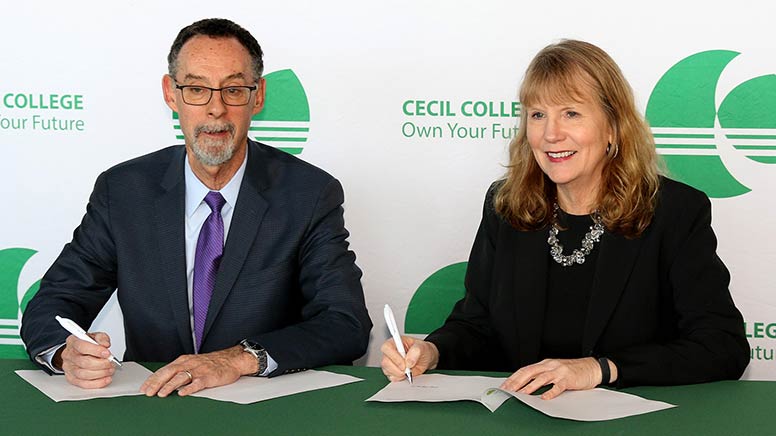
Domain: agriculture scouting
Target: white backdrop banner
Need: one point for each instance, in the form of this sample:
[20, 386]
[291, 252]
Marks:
[411, 104]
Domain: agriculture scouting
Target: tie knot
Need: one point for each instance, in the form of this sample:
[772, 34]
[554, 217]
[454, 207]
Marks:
[215, 200]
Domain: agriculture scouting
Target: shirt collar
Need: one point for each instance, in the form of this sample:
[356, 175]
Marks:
[196, 190]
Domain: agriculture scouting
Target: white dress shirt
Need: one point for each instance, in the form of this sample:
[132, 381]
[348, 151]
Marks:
[197, 212]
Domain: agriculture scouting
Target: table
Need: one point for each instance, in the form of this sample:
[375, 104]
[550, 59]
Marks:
[721, 408]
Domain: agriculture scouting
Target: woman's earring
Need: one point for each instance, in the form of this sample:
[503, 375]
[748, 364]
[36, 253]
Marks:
[609, 149]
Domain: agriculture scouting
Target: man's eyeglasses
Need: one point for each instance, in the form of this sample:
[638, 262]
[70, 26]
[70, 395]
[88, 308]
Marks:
[198, 95]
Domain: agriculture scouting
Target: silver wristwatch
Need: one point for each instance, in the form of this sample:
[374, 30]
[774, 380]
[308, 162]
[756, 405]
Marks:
[258, 352]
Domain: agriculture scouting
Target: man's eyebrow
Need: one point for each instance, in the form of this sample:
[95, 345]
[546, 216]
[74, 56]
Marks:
[193, 76]
[235, 76]
[198, 77]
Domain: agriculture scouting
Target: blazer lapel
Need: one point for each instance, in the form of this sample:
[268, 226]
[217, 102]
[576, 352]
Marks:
[170, 222]
[616, 259]
[530, 285]
[246, 221]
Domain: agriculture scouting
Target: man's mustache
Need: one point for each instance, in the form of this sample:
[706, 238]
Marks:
[214, 128]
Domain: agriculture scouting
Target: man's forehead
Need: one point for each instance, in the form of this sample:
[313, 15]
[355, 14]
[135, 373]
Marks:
[203, 57]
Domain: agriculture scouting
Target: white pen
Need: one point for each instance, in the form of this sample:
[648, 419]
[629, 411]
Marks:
[79, 333]
[391, 321]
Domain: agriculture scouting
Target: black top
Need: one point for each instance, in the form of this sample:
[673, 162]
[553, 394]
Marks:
[568, 292]
[660, 308]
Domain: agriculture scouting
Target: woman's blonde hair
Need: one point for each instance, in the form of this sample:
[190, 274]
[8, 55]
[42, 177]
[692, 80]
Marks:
[626, 199]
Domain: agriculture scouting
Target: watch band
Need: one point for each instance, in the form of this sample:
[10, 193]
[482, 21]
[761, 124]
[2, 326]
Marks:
[606, 374]
[256, 351]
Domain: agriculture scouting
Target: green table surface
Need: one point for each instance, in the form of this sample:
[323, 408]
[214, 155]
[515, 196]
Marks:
[722, 408]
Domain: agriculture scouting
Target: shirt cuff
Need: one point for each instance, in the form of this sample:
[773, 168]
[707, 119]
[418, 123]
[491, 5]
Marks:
[271, 366]
[45, 358]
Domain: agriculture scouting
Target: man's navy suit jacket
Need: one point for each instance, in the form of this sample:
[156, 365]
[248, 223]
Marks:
[286, 280]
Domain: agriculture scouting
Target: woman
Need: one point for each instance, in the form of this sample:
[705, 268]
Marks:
[639, 297]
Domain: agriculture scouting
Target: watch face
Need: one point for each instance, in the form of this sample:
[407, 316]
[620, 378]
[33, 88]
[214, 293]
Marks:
[251, 344]
[258, 352]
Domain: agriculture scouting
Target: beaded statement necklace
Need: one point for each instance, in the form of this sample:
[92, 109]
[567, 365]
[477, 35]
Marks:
[588, 241]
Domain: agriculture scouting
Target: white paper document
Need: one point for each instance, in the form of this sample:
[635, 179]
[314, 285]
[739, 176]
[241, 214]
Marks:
[438, 388]
[591, 405]
[126, 381]
[248, 390]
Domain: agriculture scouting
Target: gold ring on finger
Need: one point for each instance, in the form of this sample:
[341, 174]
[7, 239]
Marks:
[188, 373]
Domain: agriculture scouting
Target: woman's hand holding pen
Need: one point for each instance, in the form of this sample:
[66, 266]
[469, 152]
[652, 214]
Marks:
[421, 356]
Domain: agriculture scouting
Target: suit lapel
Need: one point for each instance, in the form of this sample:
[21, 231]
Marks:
[616, 259]
[169, 219]
[530, 284]
[246, 221]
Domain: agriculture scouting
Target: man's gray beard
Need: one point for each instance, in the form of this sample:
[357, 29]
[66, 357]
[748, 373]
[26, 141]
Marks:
[213, 152]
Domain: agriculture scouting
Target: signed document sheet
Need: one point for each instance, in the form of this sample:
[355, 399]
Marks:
[591, 405]
[126, 381]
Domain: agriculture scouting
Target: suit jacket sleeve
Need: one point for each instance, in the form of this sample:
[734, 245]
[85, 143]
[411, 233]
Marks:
[80, 281]
[335, 324]
[709, 341]
[467, 340]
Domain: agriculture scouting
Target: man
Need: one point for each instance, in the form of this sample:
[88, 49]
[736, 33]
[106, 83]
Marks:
[230, 257]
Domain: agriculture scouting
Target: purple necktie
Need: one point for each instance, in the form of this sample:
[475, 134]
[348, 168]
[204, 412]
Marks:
[210, 247]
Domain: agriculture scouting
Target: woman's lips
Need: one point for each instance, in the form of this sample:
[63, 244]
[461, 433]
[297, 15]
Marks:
[560, 156]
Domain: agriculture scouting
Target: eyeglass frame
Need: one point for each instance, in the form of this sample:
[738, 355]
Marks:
[250, 91]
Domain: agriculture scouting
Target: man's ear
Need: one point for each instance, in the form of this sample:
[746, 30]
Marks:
[168, 90]
[258, 102]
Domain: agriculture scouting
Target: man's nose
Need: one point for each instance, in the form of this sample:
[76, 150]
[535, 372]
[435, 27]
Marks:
[216, 106]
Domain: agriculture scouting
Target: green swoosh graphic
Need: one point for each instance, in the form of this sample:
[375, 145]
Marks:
[685, 98]
[31, 291]
[751, 105]
[434, 299]
[12, 261]
[285, 99]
